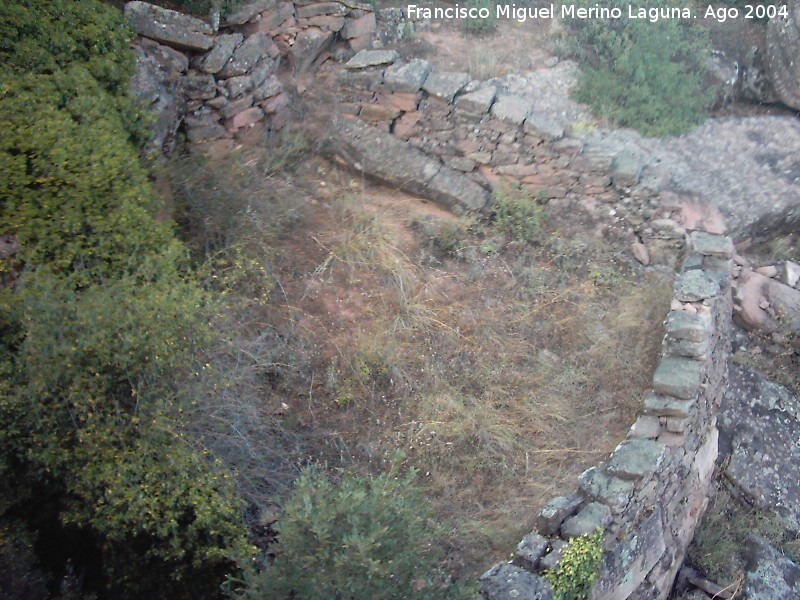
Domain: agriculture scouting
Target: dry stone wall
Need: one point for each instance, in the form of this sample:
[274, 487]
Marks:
[652, 491]
[483, 132]
[219, 83]
[650, 494]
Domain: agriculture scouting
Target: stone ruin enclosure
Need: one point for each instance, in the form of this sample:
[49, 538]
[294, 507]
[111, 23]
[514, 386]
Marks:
[442, 136]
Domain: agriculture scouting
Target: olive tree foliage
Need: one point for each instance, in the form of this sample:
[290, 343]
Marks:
[104, 331]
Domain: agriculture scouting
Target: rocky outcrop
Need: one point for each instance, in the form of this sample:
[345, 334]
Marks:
[652, 491]
[759, 424]
[783, 54]
[770, 575]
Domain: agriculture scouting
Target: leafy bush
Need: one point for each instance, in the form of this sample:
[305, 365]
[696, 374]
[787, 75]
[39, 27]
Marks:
[641, 74]
[518, 214]
[363, 537]
[480, 25]
[577, 570]
[103, 335]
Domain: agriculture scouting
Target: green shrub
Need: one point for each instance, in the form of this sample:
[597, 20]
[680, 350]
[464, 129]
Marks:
[578, 568]
[641, 74]
[103, 334]
[479, 25]
[518, 214]
[363, 537]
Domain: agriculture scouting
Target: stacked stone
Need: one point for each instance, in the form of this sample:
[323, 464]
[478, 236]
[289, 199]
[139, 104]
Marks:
[482, 130]
[222, 85]
[304, 29]
[652, 491]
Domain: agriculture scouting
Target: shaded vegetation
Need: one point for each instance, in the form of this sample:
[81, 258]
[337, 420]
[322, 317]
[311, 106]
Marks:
[644, 75]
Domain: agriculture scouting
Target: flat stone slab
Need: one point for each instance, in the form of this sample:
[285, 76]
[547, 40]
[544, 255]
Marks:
[390, 160]
[407, 78]
[667, 406]
[372, 58]
[247, 55]
[679, 377]
[695, 285]
[509, 582]
[511, 108]
[168, 26]
[479, 101]
[218, 56]
[445, 84]
[555, 512]
[592, 517]
[635, 458]
[709, 244]
[692, 327]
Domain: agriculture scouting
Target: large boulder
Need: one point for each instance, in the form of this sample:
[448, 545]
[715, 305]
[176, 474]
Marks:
[169, 27]
[392, 161]
[759, 438]
[783, 54]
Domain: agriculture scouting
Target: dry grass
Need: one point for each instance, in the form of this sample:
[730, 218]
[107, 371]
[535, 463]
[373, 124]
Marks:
[501, 383]
[502, 370]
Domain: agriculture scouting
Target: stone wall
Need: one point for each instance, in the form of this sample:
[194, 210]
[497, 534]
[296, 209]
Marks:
[651, 492]
[482, 132]
[220, 83]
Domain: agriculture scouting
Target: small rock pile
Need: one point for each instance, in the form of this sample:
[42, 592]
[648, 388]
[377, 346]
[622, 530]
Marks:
[220, 85]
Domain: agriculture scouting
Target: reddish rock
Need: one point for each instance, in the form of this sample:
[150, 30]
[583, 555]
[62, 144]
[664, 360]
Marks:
[404, 102]
[361, 27]
[245, 118]
[357, 44]
[640, 253]
[277, 103]
[764, 303]
[331, 23]
[376, 112]
[406, 125]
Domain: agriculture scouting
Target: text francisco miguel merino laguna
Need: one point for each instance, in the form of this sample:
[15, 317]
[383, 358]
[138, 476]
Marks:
[567, 11]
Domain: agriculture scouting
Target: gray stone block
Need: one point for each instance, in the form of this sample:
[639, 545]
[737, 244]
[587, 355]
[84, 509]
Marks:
[408, 78]
[693, 286]
[592, 517]
[511, 108]
[611, 491]
[445, 84]
[477, 102]
[372, 58]
[530, 550]
[635, 458]
[509, 582]
[709, 244]
[679, 377]
[556, 511]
